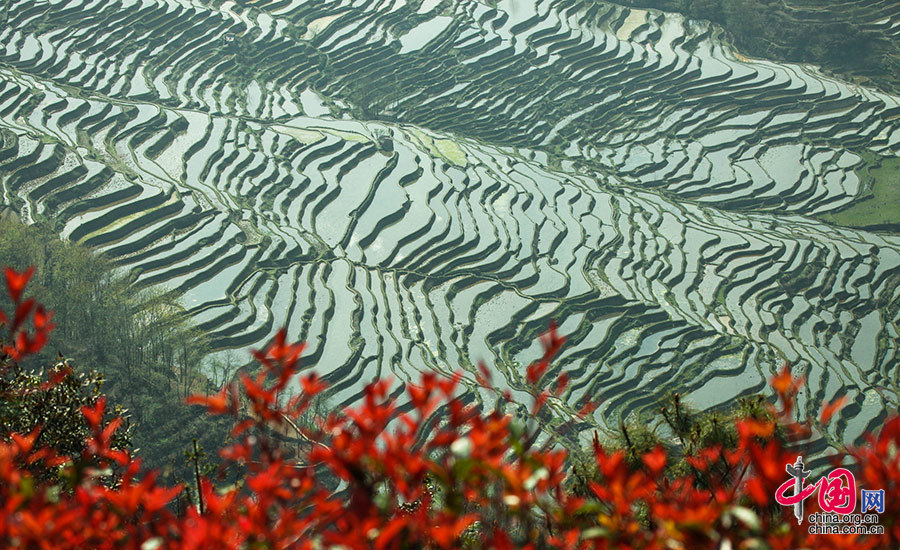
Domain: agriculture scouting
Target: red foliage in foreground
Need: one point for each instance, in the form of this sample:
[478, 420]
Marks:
[443, 475]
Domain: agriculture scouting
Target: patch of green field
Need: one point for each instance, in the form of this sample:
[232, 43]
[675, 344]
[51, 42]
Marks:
[347, 136]
[316, 26]
[881, 206]
[451, 151]
[445, 148]
[301, 135]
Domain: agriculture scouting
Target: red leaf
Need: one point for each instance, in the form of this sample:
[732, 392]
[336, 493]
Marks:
[12, 352]
[485, 374]
[281, 354]
[755, 489]
[94, 414]
[535, 371]
[561, 383]
[34, 345]
[22, 311]
[587, 409]
[312, 384]
[42, 319]
[782, 381]
[697, 462]
[111, 428]
[40, 339]
[256, 392]
[57, 375]
[734, 456]
[501, 540]
[830, 408]
[242, 427]
[750, 427]
[217, 404]
[655, 460]
[540, 401]
[391, 530]
[25, 443]
[15, 282]
[448, 386]
[418, 396]
[552, 341]
[158, 497]
[119, 457]
[23, 346]
[786, 385]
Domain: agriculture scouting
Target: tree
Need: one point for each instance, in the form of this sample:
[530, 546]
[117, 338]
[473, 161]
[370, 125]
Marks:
[27, 401]
[150, 356]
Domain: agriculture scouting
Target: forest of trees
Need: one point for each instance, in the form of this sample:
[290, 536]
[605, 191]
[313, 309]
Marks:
[134, 345]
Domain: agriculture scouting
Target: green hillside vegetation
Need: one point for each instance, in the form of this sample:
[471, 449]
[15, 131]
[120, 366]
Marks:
[879, 207]
[26, 404]
[842, 38]
[148, 355]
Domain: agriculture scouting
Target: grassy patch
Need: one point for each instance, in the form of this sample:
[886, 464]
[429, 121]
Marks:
[444, 148]
[318, 25]
[347, 136]
[451, 151]
[881, 205]
[301, 135]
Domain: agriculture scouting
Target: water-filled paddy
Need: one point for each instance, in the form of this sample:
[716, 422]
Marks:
[409, 188]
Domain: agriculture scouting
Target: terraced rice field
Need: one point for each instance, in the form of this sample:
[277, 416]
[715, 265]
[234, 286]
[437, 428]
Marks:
[420, 185]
